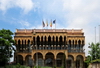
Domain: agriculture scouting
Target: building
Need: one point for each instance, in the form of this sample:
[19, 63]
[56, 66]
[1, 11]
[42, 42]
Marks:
[50, 47]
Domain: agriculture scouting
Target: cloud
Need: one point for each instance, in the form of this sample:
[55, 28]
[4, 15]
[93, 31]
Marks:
[82, 14]
[25, 5]
[24, 23]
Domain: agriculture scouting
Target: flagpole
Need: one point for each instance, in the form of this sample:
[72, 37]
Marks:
[55, 24]
[99, 34]
[47, 23]
[51, 24]
[42, 23]
[95, 35]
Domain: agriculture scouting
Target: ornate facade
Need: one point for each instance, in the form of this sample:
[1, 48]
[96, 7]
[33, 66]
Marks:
[50, 47]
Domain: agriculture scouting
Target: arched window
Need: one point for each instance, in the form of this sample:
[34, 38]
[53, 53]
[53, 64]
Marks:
[34, 40]
[60, 38]
[42, 40]
[53, 40]
[19, 43]
[25, 45]
[79, 43]
[22, 46]
[75, 43]
[38, 40]
[69, 46]
[49, 40]
[56, 40]
[65, 40]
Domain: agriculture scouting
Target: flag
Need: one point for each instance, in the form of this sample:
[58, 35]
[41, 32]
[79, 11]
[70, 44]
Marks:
[43, 23]
[54, 21]
[51, 24]
[47, 23]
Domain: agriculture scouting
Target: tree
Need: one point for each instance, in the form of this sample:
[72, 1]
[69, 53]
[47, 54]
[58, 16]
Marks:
[95, 51]
[6, 47]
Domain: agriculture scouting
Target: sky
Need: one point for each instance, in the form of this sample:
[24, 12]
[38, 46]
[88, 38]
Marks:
[69, 14]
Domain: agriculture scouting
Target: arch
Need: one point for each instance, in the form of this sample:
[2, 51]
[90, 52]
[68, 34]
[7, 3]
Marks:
[79, 42]
[39, 55]
[60, 39]
[79, 56]
[19, 59]
[83, 42]
[79, 61]
[27, 60]
[34, 39]
[49, 57]
[38, 58]
[70, 61]
[18, 47]
[69, 42]
[53, 38]
[49, 53]
[73, 42]
[56, 40]
[79, 45]
[45, 38]
[41, 38]
[65, 40]
[22, 42]
[61, 57]
[38, 40]
[19, 42]
[49, 38]
[69, 46]
[28, 42]
[25, 42]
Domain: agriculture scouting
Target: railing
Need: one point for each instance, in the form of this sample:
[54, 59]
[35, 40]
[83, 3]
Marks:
[50, 30]
[50, 47]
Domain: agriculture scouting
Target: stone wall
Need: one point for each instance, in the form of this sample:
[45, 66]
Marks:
[94, 65]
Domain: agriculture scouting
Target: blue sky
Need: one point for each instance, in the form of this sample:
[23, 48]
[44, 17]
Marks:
[69, 14]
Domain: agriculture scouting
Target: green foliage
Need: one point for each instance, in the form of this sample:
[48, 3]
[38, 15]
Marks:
[88, 60]
[42, 67]
[54, 66]
[5, 45]
[95, 61]
[95, 51]
[15, 66]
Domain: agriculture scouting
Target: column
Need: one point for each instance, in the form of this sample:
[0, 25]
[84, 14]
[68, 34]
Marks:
[43, 60]
[74, 64]
[23, 60]
[54, 63]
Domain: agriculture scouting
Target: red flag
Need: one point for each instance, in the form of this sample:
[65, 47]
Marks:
[51, 24]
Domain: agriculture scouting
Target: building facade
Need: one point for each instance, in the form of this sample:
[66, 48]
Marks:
[50, 47]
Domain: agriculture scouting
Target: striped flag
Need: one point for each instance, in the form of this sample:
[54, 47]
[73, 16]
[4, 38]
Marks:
[46, 23]
[51, 24]
[43, 23]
